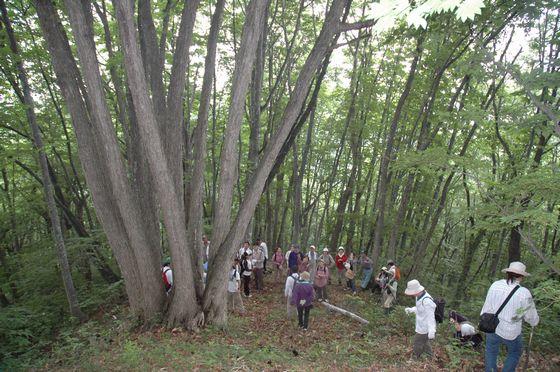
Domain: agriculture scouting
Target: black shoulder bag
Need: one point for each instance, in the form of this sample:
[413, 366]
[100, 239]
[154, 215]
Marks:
[489, 321]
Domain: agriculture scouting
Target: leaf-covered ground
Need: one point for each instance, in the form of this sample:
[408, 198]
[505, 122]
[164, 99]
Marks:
[263, 339]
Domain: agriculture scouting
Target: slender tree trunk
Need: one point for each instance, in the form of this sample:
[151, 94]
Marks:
[56, 230]
[217, 277]
[195, 226]
[92, 157]
[252, 30]
[386, 158]
[148, 258]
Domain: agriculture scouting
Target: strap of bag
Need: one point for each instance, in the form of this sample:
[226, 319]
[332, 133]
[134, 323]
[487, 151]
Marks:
[506, 300]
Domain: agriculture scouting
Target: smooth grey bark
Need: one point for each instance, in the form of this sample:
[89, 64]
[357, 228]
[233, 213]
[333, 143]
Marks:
[152, 58]
[196, 189]
[255, 113]
[244, 60]
[183, 310]
[218, 274]
[173, 134]
[56, 229]
[148, 258]
[90, 151]
[386, 158]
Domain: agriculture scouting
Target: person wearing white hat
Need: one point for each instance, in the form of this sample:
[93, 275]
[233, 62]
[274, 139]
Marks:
[340, 259]
[519, 307]
[327, 258]
[425, 318]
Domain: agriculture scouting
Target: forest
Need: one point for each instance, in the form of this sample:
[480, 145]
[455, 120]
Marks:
[425, 132]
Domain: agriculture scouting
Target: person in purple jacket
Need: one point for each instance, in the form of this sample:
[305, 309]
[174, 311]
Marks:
[302, 298]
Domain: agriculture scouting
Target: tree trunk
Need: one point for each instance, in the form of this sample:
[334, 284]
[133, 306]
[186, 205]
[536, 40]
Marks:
[252, 30]
[195, 225]
[218, 275]
[135, 223]
[183, 310]
[90, 152]
[386, 158]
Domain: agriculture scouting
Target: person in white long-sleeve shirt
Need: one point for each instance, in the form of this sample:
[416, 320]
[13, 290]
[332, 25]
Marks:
[520, 307]
[288, 288]
[425, 318]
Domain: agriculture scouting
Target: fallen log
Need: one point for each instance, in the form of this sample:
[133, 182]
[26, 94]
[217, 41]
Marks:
[345, 312]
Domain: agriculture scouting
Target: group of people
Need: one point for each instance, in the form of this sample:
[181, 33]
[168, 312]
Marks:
[307, 276]
[507, 305]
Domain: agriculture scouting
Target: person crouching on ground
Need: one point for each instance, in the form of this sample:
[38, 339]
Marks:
[425, 318]
[349, 274]
[390, 291]
[235, 303]
[321, 281]
[519, 307]
[288, 289]
[302, 298]
[465, 332]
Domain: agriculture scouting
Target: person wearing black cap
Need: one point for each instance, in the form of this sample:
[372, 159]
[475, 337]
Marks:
[465, 332]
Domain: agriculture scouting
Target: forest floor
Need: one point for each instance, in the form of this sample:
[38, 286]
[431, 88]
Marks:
[263, 339]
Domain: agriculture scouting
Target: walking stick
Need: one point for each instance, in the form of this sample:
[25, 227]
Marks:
[526, 365]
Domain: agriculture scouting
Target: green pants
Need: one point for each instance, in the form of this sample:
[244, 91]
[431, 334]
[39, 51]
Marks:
[421, 345]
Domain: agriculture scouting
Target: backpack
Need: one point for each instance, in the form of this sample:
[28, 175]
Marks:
[397, 273]
[164, 276]
[439, 314]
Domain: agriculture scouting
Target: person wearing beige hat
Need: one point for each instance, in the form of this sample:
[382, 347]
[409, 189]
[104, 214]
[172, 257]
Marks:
[327, 258]
[425, 318]
[516, 305]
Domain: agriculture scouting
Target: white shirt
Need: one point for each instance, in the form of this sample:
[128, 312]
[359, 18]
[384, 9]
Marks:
[242, 250]
[312, 257]
[467, 329]
[290, 281]
[168, 274]
[249, 267]
[520, 307]
[233, 281]
[425, 314]
[265, 249]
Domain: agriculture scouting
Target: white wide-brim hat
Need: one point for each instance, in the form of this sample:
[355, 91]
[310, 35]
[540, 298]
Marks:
[413, 287]
[325, 249]
[340, 248]
[516, 268]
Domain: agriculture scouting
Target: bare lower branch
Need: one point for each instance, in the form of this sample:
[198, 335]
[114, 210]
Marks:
[343, 27]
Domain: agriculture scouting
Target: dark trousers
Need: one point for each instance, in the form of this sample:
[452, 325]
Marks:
[321, 292]
[303, 316]
[264, 264]
[259, 279]
[421, 345]
[246, 283]
[350, 283]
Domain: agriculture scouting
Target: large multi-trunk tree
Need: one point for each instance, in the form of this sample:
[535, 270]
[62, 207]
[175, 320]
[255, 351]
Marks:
[131, 194]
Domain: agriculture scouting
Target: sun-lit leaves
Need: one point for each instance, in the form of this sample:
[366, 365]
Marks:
[389, 12]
